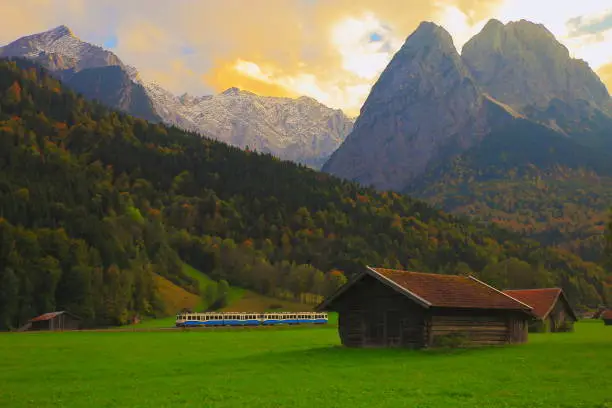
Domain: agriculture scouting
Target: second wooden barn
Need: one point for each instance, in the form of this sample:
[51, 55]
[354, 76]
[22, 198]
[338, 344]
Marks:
[606, 316]
[391, 308]
[551, 308]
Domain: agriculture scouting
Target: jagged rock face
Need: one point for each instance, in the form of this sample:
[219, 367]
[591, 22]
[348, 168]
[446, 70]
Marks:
[112, 86]
[301, 129]
[522, 64]
[424, 103]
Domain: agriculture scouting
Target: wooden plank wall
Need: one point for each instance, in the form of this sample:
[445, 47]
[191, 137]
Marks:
[480, 330]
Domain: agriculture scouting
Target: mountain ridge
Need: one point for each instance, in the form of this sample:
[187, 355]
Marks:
[247, 120]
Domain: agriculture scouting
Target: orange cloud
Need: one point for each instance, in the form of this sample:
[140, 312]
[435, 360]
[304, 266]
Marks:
[225, 75]
[315, 48]
[142, 37]
[605, 73]
[18, 19]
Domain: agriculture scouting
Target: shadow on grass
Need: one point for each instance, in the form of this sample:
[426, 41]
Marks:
[339, 353]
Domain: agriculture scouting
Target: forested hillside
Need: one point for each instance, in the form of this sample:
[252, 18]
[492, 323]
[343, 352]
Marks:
[94, 202]
[531, 180]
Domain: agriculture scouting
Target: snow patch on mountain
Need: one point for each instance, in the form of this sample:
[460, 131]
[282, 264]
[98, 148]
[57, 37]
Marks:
[301, 129]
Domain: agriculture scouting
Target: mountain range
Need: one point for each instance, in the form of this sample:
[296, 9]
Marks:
[301, 129]
[431, 103]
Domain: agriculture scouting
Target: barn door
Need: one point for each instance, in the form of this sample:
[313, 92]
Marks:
[392, 328]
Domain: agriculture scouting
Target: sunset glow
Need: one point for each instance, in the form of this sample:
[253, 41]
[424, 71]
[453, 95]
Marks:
[332, 50]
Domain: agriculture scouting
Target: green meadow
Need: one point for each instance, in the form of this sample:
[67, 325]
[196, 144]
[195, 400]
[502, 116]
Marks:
[298, 367]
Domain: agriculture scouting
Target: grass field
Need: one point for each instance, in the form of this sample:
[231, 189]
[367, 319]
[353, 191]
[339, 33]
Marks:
[298, 368]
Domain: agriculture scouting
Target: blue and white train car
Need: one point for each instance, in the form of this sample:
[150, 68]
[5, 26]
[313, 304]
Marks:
[207, 319]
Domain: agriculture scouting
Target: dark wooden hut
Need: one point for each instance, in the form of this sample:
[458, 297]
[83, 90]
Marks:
[606, 316]
[552, 312]
[391, 308]
[55, 321]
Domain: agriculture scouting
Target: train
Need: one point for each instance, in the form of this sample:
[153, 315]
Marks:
[207, 319]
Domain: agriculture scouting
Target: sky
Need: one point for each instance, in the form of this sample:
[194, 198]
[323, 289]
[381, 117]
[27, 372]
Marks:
[331, 50]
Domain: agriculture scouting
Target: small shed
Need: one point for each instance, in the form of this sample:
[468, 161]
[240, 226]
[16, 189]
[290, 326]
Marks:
[61, 320]
[606, 316]
[391, 308]
[552, 311]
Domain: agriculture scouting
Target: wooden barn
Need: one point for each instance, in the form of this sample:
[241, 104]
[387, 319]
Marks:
[55, 321]
[552, 311]
[606, 316]
[391, 308]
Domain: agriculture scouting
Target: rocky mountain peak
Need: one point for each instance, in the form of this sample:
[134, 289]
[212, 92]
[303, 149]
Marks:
[59, 49]
[427, 55]
[231, 91]
[61, 31]
[424, 102]
[428, 33]
[523, 65]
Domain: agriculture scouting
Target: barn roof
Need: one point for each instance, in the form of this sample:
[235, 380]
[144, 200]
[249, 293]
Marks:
[541, 300]
[607, 314]
[51, 315]
[436, 290]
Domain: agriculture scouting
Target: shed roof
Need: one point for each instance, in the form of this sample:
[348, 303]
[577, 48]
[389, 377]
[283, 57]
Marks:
[51, 315]
[435, 290]
[607, 314]
[541, 300]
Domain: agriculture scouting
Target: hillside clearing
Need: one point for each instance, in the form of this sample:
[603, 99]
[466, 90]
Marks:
[298, 368]
[174, 297]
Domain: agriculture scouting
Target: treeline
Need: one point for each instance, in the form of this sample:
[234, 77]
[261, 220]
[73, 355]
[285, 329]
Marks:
[141, 199]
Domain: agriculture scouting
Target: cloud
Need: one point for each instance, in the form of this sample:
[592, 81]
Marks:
[245, 75]
[18, 19]
[332, 50]
[582, 25]
[605, 73]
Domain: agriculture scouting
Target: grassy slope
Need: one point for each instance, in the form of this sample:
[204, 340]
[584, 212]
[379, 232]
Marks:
[298, 368]
[193, 273]
[174, 297]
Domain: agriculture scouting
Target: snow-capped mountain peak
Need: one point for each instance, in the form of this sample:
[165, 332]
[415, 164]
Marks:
[61, 31]
[60, 49]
